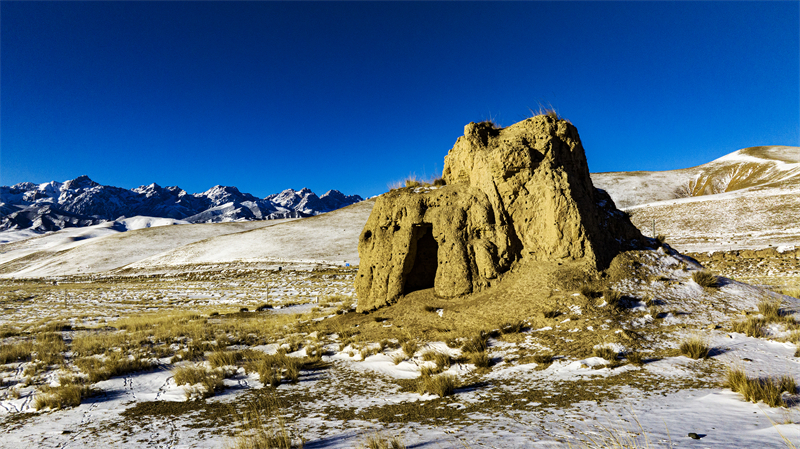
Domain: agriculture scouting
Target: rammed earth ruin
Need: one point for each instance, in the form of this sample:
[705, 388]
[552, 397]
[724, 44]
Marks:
[512, 194]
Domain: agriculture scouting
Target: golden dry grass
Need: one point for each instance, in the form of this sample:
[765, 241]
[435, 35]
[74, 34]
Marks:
[695, 347]
[752, 327]
[441, 385]
[68, 393]
[767, 389]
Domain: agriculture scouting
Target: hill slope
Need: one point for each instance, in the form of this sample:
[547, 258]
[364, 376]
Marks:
[327, 238]
[102, 247]
[747, 199]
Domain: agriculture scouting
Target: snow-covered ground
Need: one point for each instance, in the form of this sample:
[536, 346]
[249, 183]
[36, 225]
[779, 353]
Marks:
[516, 403]
[144, 244]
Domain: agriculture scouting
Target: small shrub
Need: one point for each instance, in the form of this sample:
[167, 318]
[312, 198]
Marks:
[295, 343]
[766, 389]
[752, 327]
[660, 240]
[442, 385]
[605, 352]
[429, 308]
[695, 348]
[543, 359]
[705, 279]
[438, 182]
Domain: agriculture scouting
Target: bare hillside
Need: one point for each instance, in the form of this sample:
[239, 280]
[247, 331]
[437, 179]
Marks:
[743, 169]
[328, 238]
[746, 199]
[100, 248]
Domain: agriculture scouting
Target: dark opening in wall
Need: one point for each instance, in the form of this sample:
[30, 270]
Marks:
[426, 260]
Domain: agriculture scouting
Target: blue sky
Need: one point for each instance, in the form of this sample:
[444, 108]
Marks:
[353, 96]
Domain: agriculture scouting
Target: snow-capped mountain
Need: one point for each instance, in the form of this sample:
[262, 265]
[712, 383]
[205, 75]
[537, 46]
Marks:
[82, 202]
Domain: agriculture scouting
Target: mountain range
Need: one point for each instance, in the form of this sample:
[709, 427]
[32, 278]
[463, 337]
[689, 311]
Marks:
[82, 202]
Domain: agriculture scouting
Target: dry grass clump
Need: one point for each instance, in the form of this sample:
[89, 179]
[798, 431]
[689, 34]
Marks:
[410, 347]
[794, 292]
[478, 343]
[68, 393]
[613, 298]
[660, 240]
[209, 381]
[219, 359]
[543, 359]
[367, 351]
[770, 308]
[380, 442]
[548, 111]
[481, 360]
[605, 352]
[258, 429]
[705, 279]
[20, 351]
[551, 314]
[49, 348]
[635, 358]
[442, 360]
[273, 368]
[752, 327]
[412, 182]
[512, 327]
[314, 351]
[767, 389]
[8, 331]
[772, 312]
[441, 385]
[695, 347]
[115, 364]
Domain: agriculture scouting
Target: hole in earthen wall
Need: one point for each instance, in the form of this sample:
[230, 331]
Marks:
[426, 260]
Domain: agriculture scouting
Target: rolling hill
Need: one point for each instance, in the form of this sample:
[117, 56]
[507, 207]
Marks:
[744, 200]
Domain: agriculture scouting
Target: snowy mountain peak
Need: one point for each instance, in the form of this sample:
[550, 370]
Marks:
[83, 202]
[81, 182]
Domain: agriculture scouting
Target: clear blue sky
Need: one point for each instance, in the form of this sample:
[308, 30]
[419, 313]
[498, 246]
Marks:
[352, 96]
